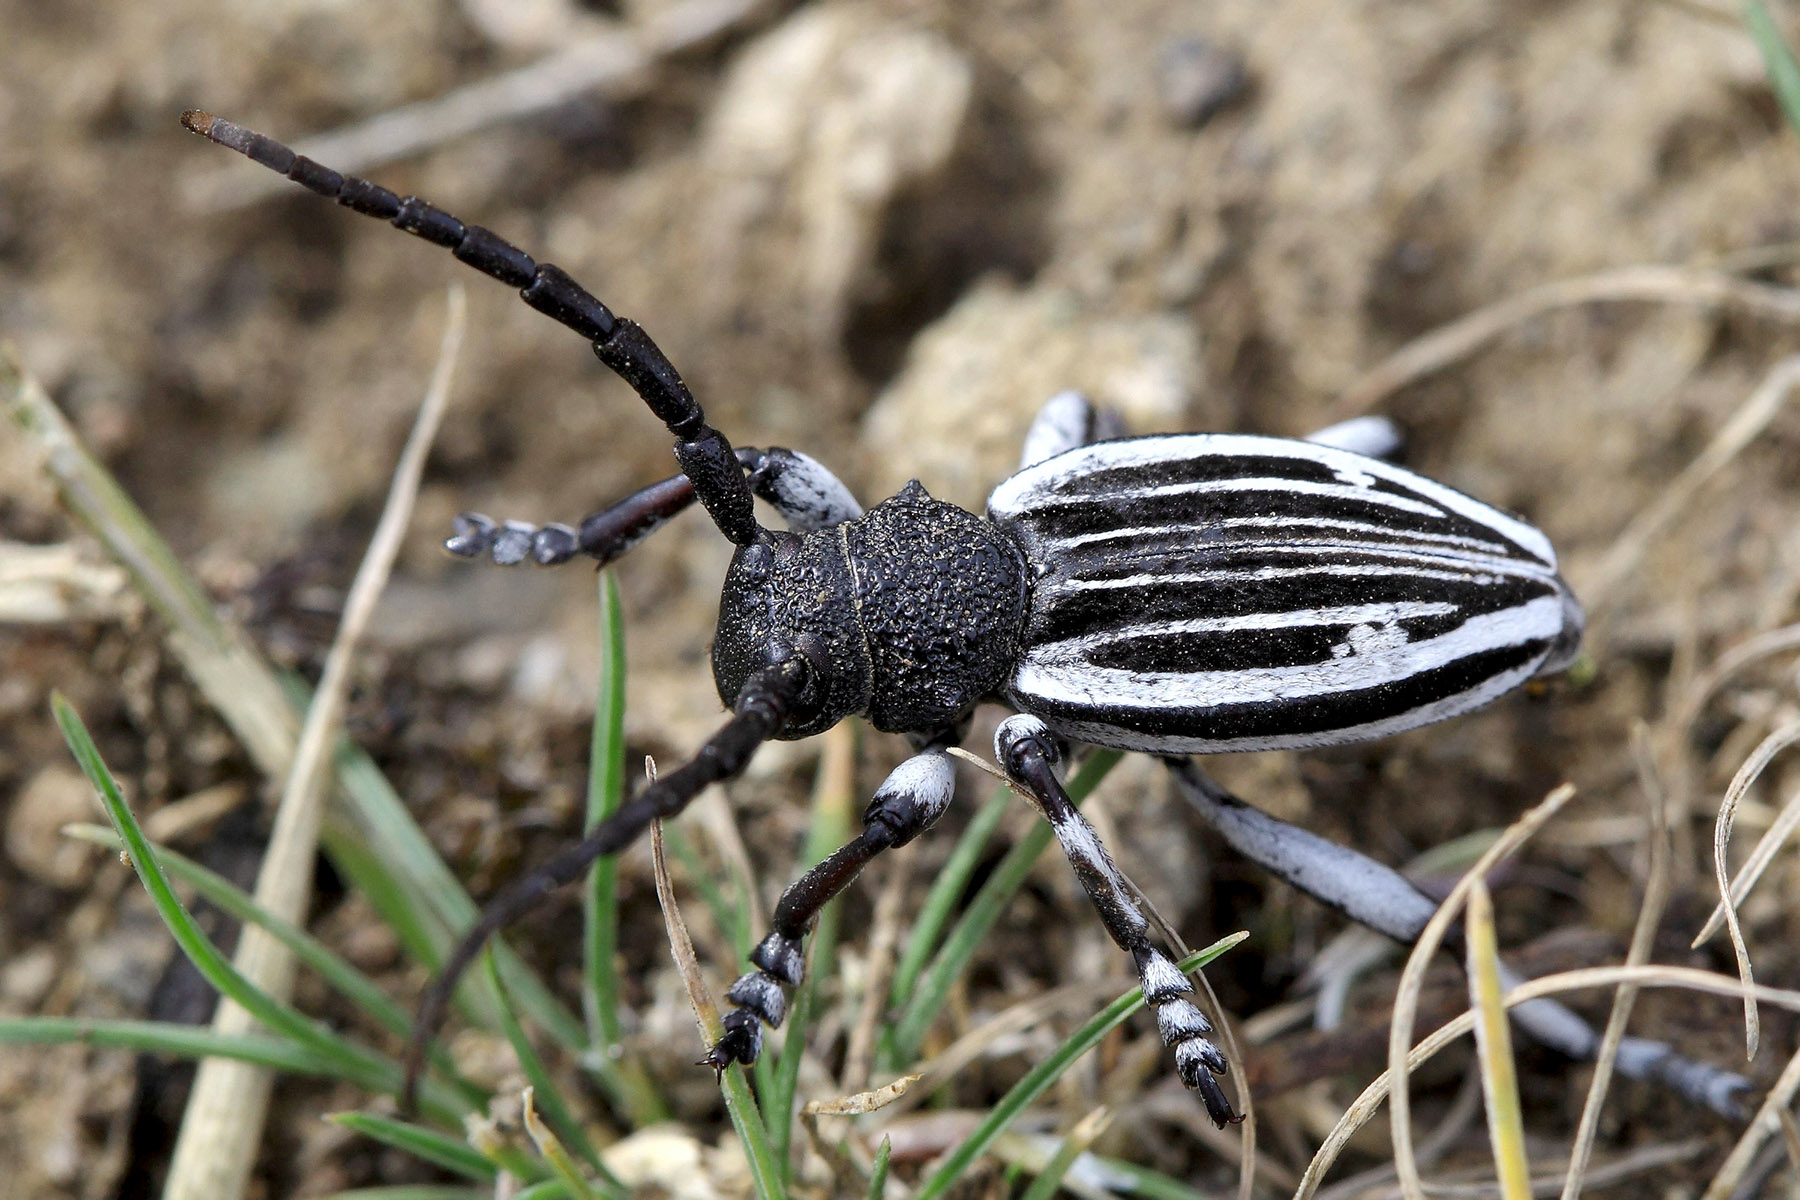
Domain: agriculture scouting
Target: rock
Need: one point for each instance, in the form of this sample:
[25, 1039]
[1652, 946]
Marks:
[1196, 79]
[956, 415]
[822, 123]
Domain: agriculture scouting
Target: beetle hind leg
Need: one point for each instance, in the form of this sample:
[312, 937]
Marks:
[1027, 752]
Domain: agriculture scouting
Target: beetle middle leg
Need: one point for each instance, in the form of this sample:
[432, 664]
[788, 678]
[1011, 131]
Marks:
[1027, 752]
[1069, 421]
[914, 795]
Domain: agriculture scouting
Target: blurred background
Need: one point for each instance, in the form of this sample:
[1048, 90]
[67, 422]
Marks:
[883, 233]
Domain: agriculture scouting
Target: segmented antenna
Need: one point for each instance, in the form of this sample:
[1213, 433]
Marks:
[705, 455]
[762, 709]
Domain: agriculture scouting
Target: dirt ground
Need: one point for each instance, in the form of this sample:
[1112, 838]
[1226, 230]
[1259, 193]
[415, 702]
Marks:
[883, 233]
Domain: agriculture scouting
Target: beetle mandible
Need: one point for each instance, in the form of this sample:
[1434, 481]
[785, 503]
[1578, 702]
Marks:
[1177, 594]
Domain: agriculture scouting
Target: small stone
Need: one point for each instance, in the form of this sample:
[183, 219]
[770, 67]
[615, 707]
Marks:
[55, 797]
[1196, 79]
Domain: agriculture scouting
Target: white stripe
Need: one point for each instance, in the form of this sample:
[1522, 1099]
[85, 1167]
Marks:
[1285, 487]
[1109, 687]
[1097, 733]
[1408, 535]
[1069, 650]
[1036, 485]
[1068, 586]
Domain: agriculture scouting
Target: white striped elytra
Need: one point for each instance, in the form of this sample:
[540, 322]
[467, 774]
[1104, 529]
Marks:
[1203, 593]
[1179, 594]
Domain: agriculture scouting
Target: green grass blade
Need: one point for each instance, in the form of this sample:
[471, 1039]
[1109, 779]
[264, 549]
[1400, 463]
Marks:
[879, 1172]
[1049, 1180]
[1152, 1184]
[549, 1189]
[1778, 60]
[834, 806]
[450, 1153]
[1041, 1077]
[765, 1168]
[163, 1037]
[606, 791]
[343, 1057]
[623, 1079]
[927, 999]
[544, 1089]
[343, 978]
[412, 888]
[262, 709]
[411, 1191]
[940, 901]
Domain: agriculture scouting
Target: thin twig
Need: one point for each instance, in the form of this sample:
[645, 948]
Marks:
[1643, 936]
[615, 62]
[221, 1130]
[1460, 338]
[1761, 858]
[1412, 978]
[1764, 1125]
[1369, 1102]
[878, 971]
[1746, 424]
[1747, 774]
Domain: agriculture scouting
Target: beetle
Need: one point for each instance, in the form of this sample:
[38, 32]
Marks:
[1176, 594]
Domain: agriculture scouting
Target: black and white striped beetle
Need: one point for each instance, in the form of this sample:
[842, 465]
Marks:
[1177, 594]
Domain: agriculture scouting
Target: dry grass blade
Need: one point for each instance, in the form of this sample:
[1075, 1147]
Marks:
[1763, 645]
[1790, 1136]
[1459, 339]
[222, 1127]
[890, 912]
[1366, 1104]
[1747, 774]
[1412, 978]
[861, 1103]
[765, 1171]
[1745, 425]
[1493, 1049]
[681, 943]
[950, 1061]
[1463, 1110]
[552, 1149]
[1767, 847]
[616, 63]
[1643, 934]
[1763, 1126]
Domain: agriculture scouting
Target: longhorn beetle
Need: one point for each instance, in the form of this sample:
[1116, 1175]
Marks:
[1178, 594]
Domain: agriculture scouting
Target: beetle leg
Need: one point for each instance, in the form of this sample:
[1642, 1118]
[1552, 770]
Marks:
[803, 491]
[1027, 752]
[762, 710]
[1068, 421]
[913, 796]
[1376, 895]
[1375, 437]
[798, 485]
[603, 536]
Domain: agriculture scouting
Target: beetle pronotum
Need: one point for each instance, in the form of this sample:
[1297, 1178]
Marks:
[1176, 594]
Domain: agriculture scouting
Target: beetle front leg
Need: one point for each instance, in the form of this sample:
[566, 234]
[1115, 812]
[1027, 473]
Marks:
[1372, 436]
[914, 795]
[1027, 752]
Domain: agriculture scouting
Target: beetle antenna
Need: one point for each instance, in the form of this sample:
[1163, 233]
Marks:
[705, 455]
[761, 711]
